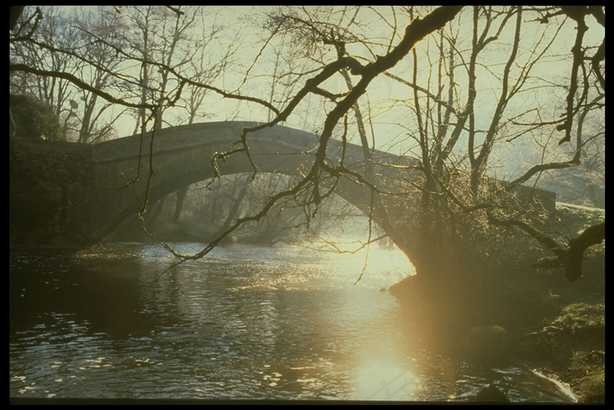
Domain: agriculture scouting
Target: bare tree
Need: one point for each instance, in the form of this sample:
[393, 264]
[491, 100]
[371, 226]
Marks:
[57, 93]
[459, 199]
[457, 195]
[105, 23]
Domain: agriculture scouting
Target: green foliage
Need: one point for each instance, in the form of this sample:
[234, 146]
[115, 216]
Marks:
[33, 119]
[580, 317]
[587, 374]
[579, 327]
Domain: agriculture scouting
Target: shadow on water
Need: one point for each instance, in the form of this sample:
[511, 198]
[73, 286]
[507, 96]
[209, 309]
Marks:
[61, 285]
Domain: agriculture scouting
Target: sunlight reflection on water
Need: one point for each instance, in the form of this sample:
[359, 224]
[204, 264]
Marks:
[246, 322]
[384, 379]
[382, 266]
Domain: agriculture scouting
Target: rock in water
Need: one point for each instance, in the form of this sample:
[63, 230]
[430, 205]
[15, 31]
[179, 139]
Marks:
[491, 394]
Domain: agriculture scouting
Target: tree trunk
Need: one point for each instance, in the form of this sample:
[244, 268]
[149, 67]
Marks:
[156, 211]
[234, 210]
[181, 194]
[591, 236]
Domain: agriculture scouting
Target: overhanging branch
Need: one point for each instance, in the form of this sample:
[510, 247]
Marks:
[79, 83]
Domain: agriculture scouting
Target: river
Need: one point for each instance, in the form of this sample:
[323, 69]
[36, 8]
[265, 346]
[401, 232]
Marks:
[246, 322]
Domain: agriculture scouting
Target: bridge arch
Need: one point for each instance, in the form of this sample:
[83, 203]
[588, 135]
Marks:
[181, 157]
[95, 187]
[199, 224]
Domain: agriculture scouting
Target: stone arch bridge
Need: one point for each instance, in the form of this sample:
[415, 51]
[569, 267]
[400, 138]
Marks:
[72, 195]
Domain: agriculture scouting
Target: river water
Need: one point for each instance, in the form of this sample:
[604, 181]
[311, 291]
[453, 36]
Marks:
[244, 323]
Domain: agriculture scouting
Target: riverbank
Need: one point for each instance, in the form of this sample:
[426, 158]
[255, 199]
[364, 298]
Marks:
[571, 342]
[519, 313]
[572, 346]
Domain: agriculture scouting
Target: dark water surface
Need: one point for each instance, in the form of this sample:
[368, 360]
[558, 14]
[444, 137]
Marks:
[245, 323]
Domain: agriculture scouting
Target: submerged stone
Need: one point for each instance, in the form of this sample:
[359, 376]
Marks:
[491, 394]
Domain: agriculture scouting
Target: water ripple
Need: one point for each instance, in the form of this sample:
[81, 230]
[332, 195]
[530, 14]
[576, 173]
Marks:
[249, 322]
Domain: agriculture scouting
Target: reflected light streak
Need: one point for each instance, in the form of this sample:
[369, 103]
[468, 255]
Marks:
[384, 266]
[383, 379]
